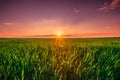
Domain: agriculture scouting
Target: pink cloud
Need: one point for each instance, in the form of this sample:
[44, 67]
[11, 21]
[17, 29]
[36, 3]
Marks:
[8, 23]
[76, 10]
[108, 7]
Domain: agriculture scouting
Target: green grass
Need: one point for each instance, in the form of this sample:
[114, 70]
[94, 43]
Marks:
[56, 59]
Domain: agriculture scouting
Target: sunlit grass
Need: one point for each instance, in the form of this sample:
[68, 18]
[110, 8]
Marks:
[60, 59]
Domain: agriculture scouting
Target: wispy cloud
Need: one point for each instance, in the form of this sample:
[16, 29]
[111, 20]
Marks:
[85, 35]
[76, 10]
[8, 23]
[111, 6]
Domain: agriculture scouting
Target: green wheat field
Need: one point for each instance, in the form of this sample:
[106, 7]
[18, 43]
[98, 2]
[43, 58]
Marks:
[60, 59]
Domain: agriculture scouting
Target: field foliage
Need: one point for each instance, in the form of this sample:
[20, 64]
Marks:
[60, 59]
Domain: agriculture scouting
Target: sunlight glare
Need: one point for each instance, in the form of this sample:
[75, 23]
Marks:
[59, 34]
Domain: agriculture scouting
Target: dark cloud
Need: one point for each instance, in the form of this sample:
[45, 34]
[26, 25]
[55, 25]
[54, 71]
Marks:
[110, 6]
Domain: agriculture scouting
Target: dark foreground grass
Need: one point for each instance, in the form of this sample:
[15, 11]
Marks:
[60, 59]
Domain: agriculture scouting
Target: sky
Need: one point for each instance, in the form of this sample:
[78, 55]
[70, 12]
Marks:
[73, 18]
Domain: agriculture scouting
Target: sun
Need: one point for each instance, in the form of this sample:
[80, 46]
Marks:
[59, 33]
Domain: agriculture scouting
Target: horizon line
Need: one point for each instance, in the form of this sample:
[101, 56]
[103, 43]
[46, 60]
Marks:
[86, 35]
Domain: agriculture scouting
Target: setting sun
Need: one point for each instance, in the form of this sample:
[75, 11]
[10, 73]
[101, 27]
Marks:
[59, 34]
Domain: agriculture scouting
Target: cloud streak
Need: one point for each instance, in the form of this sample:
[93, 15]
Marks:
[108, 7]
[86, 35]
[8, 23]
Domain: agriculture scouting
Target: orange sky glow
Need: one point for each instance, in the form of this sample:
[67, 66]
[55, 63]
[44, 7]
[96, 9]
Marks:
[73, 18]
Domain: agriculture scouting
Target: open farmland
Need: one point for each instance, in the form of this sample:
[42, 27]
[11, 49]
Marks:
[60, 59]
